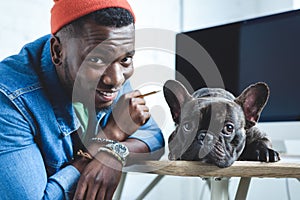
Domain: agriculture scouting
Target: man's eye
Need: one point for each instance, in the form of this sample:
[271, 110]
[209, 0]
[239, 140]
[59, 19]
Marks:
[127, 60]
[95, 60]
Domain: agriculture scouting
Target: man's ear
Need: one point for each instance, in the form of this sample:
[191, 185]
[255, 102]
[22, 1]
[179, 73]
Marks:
[253, 99]
[176, 95]
[56, 53]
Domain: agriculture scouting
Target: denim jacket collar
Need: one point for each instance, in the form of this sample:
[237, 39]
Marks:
[62, 105]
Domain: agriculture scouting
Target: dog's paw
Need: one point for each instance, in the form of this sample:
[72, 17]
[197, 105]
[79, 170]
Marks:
[259, 151]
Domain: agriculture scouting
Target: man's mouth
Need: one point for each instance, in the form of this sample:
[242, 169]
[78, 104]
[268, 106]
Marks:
[106, 96]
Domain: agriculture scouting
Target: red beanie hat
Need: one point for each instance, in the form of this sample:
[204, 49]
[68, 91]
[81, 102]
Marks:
[65, 11]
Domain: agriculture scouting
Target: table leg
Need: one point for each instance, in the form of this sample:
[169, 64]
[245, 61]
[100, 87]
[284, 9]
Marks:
[242, 190]
[219, 188]
[150, 187]
[118, 193]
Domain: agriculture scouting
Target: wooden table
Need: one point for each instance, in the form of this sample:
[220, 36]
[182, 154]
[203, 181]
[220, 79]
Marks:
[287, 167]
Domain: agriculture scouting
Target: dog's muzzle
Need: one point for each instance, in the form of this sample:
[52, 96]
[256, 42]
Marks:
[206, 141]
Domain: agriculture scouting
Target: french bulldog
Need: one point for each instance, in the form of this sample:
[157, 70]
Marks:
[214, 126]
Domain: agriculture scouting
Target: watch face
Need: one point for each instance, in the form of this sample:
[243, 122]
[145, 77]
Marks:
[120, 149]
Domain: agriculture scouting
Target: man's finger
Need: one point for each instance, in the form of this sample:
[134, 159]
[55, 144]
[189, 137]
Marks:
[80, 190]
[139, 101]
[93, 190]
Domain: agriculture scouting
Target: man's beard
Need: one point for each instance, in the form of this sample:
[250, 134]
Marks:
[83, 94]
[107, 108]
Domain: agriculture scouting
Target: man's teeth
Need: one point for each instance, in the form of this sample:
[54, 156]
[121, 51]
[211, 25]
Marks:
[106, 93]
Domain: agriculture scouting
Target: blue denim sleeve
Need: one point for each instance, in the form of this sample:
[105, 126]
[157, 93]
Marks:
[63, 178]
[151, 135]
[23, 174]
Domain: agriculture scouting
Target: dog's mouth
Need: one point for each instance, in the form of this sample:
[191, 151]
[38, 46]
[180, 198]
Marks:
[212, 148]
[197, 149]
[219, 156]
[218, 152]
[207, 148]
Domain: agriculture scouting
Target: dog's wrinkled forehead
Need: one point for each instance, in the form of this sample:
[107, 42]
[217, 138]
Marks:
[213, 108]
[213, 92]
[216, 105]
[191, 109]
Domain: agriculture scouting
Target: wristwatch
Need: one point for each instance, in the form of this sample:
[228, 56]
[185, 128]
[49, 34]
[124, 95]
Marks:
[120, 149]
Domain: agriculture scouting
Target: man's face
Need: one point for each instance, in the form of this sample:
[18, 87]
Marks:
[96, 64]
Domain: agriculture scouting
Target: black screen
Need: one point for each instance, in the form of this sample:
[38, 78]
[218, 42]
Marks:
[263, 49]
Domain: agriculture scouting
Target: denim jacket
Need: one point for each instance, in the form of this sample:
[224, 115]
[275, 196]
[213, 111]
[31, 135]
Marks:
[36, 121]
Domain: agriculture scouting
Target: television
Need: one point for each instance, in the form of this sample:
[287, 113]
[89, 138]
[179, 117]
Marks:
[259, 49]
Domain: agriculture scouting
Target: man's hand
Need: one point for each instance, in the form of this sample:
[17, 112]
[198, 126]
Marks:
[127, 116]
[100, 178]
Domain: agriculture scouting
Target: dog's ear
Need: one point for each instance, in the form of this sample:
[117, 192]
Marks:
[176, 95]
[253, 99]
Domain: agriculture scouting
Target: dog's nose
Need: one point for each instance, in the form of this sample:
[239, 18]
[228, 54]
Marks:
[204, 136]
[201, 137]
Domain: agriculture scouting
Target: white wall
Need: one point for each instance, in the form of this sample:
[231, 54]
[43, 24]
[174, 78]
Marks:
[22, 22]
[158, 21]
[202, 13]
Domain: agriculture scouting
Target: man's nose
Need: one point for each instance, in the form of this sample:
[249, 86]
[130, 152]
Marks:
[113, 75]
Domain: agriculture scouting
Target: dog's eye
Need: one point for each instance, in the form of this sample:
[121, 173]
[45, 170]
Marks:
[187, 126]
[228, 128]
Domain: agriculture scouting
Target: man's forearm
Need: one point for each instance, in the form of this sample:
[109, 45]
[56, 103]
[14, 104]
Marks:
[136, 146]
[139, 151]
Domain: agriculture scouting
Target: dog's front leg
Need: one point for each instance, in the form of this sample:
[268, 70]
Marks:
[258, 147]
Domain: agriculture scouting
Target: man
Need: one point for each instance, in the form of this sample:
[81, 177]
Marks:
[86, 59]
